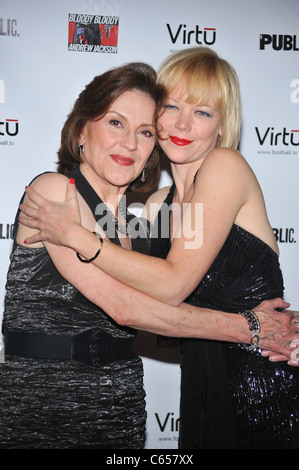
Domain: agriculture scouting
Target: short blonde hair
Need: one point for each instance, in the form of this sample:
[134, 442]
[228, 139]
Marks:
[205, 73]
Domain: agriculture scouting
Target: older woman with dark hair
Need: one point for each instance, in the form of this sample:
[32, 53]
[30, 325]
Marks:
[71, 377]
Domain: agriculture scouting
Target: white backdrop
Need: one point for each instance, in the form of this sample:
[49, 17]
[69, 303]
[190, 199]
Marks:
[41, 76]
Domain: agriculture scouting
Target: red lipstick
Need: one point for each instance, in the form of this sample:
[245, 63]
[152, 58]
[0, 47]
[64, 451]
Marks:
[178, 141]
[121, 160]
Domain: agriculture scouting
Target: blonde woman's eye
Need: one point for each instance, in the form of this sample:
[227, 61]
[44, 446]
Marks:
[203, 113]
[170, 106]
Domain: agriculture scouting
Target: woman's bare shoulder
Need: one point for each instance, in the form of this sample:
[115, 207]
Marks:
[51, 185]
[224, 164]
[224, 156]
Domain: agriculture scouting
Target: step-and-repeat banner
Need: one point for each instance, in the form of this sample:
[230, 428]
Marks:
[49, 52]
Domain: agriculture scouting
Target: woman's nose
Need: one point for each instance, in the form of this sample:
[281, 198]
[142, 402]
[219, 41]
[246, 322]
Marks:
[129, 140]
[183, 122]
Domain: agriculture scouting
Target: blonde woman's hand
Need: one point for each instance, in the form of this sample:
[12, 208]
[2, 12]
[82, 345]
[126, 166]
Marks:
[54, 220]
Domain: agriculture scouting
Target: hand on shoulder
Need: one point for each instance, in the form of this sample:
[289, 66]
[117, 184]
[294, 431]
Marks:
[51, 186]
[47, 187]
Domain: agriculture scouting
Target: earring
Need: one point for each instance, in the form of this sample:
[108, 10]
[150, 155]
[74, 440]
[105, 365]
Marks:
[81, 150]
[143, 176]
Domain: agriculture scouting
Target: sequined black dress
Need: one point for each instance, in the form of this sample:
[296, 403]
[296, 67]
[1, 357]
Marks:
[64, 404]
[229, 397]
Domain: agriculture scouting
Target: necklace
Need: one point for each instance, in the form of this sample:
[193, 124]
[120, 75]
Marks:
[125, 229]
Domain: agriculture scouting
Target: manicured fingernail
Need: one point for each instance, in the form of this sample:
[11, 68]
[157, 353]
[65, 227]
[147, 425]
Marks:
[72, 181]
[25, 241]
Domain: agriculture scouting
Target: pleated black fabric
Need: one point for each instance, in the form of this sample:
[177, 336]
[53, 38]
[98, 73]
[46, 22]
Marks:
[232, 399]
[62, 404]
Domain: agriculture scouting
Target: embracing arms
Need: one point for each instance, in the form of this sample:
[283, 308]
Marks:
[225, 188]
[132, 308]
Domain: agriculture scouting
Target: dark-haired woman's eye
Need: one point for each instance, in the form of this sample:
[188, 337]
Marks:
[115, 122]
[147, 133]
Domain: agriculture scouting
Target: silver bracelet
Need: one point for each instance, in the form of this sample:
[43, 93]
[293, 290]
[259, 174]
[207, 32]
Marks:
[254, 327]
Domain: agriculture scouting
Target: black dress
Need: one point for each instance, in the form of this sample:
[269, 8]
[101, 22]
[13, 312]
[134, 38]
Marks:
[64, 404]
[230, 398]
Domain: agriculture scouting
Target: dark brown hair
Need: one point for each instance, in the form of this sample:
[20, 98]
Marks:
[94, 102]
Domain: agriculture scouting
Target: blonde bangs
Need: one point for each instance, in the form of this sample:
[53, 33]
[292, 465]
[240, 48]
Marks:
[202, 88]
[200, 79]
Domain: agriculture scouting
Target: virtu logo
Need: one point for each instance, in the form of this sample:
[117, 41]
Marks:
[185, 35]
[170, 421]
[9, 127]
[270, 137]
